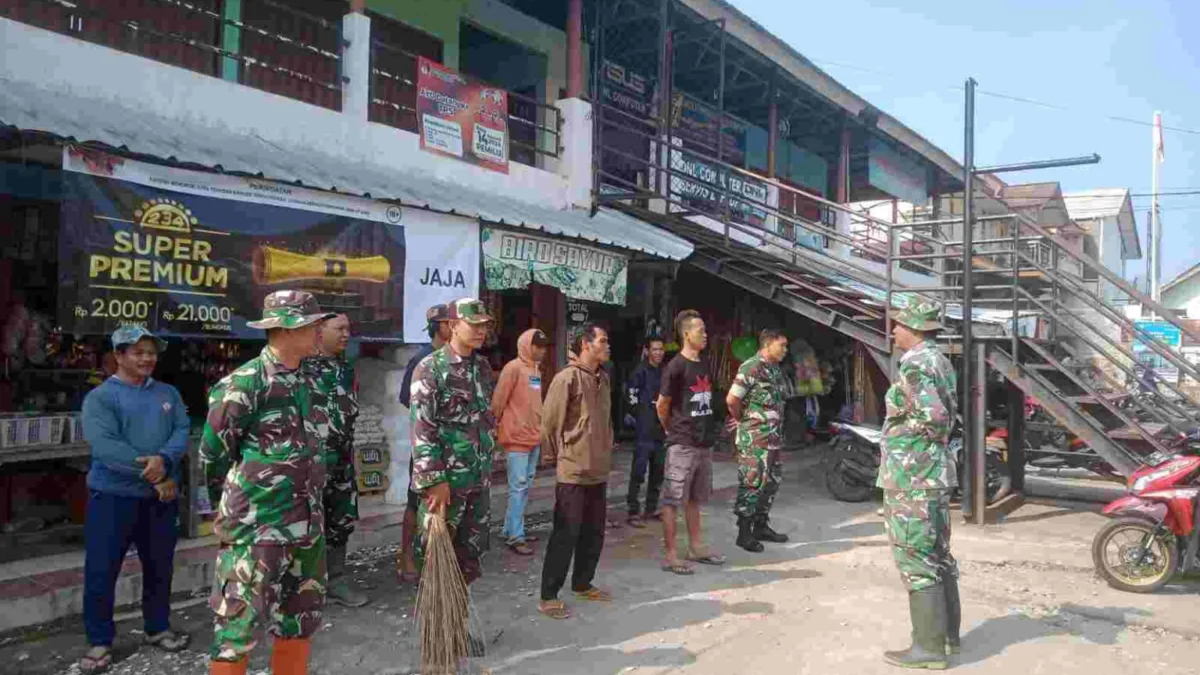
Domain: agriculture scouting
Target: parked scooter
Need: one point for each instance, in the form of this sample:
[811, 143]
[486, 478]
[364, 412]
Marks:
[1153, 535]
[854, 457]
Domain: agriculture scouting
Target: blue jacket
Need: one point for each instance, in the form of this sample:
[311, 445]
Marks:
[122, 422]
[642, 390]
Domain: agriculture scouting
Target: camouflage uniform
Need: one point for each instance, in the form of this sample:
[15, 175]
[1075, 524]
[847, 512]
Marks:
[334, 377]
[454, 434]
[761, 387]
[917, 472]
[263, 466]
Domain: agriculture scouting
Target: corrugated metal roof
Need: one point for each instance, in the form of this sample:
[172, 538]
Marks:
[137, 131]
[1108, 203]
[1091, 204]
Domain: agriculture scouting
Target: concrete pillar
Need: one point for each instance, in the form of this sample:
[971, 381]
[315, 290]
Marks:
[356, 65]
[843, 169]
[574, 48]
[575, 164]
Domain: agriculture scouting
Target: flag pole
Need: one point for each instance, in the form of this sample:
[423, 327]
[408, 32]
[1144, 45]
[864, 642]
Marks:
[1155, 226]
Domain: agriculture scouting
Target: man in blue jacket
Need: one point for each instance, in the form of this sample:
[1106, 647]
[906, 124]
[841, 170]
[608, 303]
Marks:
[642, 392]
[138, 431]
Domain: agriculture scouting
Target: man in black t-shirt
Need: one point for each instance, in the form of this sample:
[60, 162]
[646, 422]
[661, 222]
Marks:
[685, 410]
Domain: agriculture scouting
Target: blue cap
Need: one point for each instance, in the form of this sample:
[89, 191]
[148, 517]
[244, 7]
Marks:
[131, 335]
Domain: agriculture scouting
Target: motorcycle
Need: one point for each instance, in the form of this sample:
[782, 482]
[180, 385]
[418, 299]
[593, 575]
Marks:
[1153, 535]
[854, 457]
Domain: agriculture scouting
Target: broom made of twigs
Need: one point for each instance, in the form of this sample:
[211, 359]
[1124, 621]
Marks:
[442, 603]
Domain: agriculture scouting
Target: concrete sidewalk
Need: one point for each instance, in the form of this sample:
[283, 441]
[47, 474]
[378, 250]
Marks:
[829, 601]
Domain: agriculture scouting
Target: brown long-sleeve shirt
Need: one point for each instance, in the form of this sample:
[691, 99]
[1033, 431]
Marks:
[577, 425]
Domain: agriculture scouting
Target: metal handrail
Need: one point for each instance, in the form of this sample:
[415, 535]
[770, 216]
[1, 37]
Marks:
[1100, 350]
[1119, 319]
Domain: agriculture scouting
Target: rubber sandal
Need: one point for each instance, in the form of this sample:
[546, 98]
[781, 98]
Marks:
[678, 568]
[97, 660]
[520, 548]
[168, 640]
[715, 559]
[531, 538]
[594, 594]
[636, 522]
[555, 609]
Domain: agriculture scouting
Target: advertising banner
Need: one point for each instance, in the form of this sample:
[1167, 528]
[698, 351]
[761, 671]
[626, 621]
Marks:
[898, 175]
[512, 260]
[188, 253]
[697, 123]
[714, 186]
[1170, 336]
[462, 118]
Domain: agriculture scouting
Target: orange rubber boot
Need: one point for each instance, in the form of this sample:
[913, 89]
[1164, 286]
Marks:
[289, 656]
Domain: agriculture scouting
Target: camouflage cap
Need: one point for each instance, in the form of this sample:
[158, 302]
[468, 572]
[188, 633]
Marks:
[916, 312]
[469, 310]
[290, 310]
[131, 335]
[437, 313]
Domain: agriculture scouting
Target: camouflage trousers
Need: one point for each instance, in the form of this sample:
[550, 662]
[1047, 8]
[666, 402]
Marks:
[341, 499]
[467, 516]
[759, 475]
[918, 525]
[282, 585]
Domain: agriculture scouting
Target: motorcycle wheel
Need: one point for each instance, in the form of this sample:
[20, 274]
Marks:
[1116, 547]
[851, 474]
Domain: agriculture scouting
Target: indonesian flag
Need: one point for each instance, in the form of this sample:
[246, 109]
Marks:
[1158, 138]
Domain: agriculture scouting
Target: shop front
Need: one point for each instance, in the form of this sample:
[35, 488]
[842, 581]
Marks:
[100, 241]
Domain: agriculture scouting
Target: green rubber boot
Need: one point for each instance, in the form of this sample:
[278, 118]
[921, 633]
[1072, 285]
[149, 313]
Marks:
[927, 611]
[953, 614]
[339, 589]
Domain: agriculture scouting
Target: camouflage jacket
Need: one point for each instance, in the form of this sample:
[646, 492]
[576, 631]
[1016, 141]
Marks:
[262, 454]
[921, 409]
[338, 398]
[454, 431]
[762, 389]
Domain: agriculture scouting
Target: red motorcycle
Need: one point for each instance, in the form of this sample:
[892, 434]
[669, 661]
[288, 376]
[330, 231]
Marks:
[1153, 535]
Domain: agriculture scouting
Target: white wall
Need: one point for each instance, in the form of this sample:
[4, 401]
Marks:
[1184, 296]
[88, 71]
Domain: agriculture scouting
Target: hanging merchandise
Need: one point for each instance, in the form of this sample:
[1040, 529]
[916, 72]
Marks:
[808, 370]
[744, 348]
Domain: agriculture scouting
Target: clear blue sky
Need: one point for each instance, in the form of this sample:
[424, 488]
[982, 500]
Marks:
[1095, 57]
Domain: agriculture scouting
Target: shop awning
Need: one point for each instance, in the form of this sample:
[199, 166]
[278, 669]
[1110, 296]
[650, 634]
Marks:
[72, 117]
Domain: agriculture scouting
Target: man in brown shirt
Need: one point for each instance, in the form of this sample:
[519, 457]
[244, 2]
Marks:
[577, 433]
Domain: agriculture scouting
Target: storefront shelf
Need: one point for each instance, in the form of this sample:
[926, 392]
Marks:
[33, 453]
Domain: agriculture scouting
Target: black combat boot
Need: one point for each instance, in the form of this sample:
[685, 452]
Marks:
[953, 613]
[745, 537]
[927, 610]
[763, 531]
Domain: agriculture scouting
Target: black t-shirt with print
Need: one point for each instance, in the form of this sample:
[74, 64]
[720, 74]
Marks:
[689, 384]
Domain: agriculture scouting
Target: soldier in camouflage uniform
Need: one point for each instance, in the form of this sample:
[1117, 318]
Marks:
[264, 469]
[917, 474]
[454, 434]
[334, 376]
[756, 403]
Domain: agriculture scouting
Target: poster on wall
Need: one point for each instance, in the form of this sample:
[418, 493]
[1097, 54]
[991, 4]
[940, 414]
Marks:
[697, 123]
[462, 118]
[514, 260]
[1169, 335]
[189, 253]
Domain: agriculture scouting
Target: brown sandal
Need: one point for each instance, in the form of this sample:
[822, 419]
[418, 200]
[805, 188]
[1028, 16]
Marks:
[555, 609]
[520, 548]
[594, 594]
